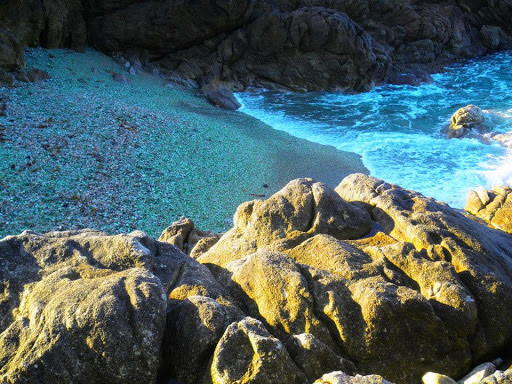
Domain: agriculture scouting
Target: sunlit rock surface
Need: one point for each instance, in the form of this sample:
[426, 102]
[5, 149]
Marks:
[494, 207]
[367, 283]
[464, 120]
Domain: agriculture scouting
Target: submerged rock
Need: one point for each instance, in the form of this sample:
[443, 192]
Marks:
[494, 207]
[464, 120]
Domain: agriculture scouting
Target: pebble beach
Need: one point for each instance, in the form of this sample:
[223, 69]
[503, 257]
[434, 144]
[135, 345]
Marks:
[96, 146]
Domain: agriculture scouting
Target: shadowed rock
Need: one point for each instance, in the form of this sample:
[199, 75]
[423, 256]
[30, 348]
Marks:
[298, 45]
[11, 52]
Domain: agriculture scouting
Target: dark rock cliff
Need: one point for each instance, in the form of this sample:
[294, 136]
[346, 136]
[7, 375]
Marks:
[299, 45]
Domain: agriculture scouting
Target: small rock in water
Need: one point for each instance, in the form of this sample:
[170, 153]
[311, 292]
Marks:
[465, 119]
[437, 378]
[478, 374]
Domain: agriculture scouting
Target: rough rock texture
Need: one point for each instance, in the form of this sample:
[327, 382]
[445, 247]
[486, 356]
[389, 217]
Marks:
[291, 44]
[84, 307]
[464, 120]
[498, 377]
[494, 207]
[79, 307]
[314, 357]
[362, 284]
[426, 278]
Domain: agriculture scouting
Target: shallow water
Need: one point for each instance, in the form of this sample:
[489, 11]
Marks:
[398, 129]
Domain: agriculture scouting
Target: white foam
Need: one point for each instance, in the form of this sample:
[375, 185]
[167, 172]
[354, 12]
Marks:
[397, 129]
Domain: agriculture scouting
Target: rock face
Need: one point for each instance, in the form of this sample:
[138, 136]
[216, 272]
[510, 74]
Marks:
[362, 284]
[465, 120]
[494, 207]
[49, 23]
[11, 51]
[290, 44]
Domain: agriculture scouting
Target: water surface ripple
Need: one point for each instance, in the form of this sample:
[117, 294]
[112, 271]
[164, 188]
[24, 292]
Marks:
[398, 129]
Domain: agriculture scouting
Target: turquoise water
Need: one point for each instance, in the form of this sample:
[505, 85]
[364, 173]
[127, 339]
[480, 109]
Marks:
[398, 129]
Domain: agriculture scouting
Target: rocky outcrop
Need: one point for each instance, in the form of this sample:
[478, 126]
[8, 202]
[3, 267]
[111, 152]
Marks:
[464, 120]
[290, 44]
[362, 284]
[494, 207]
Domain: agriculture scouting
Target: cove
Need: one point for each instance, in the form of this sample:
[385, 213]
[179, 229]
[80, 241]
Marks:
[398, 129]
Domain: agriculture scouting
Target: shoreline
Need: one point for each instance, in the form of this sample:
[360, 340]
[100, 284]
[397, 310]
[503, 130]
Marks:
[83, 150]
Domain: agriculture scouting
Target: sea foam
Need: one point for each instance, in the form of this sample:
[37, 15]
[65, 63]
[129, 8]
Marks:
[398, 130]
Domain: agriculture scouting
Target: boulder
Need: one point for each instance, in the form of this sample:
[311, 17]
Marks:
[436, 378]
[80, 307]
[464, 120]
[302, 209]
[221, 96]
[478, 374]
[310, 284]
[494, 206]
